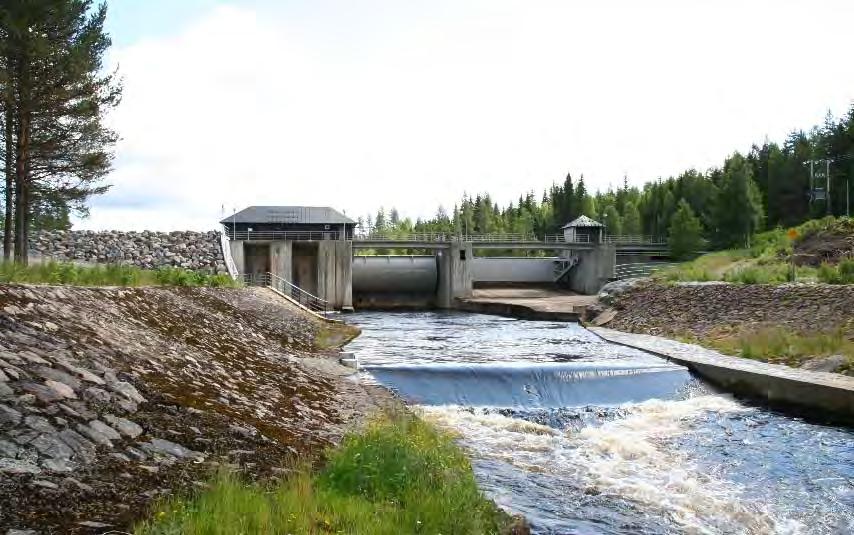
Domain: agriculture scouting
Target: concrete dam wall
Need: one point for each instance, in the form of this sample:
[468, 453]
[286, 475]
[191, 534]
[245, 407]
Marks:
[420, 274]
[514, 270]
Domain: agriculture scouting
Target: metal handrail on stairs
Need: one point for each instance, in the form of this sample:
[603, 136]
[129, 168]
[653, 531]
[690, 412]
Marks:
[290, 290]
[563, 266]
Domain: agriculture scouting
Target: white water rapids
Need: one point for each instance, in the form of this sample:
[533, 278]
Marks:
[582, 436]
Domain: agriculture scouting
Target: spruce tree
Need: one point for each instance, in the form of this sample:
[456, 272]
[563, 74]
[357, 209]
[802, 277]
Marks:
[685, 232]
[738, 207]
[632, 220]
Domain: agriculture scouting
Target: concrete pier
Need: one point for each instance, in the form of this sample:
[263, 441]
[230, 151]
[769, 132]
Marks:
[528, 303]
[826, 395]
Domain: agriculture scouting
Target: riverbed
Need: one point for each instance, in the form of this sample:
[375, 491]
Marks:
[583, 436]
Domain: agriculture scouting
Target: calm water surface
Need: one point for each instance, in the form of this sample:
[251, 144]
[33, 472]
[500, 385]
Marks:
[584, 436]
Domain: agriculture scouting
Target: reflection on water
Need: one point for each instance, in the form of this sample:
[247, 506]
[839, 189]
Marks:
[582, 436]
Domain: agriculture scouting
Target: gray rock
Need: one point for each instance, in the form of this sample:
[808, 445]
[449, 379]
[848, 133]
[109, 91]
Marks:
[165, 447]
[243, 431]
[26, 399]
[7, 449]
[43, 393]
[49, 373]
[6, 390]
[59, 465]
[3, 377]
[93, 524]
[25, 437]
[40, 424]
[97, 395]
[22, 532]
[32, 358]
[127, 390]
[62, 389]
[105, 430]
[94, 435]
[124, 426]
[14, 466]
[81, 409]
[43, 483]
[829, 364]
[136, 454]
[83, 373]
[9, 416]
[82, 447]
[52, 446]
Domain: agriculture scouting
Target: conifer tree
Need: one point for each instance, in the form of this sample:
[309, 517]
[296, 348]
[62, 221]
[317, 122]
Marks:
[53, 54]
[685, 232]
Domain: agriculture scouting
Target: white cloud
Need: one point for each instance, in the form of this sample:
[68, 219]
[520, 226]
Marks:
[411, 104]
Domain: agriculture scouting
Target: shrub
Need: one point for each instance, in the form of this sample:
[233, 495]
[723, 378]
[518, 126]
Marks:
[107, 275]
[398, 475]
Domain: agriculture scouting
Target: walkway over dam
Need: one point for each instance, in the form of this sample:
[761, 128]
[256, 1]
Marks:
[430, 270]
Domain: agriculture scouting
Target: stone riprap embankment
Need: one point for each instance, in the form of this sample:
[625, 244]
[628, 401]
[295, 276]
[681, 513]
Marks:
[113, 398]
[148, 250]
[704, 308]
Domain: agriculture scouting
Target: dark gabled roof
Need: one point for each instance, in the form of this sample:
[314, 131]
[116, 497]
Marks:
[583, 222]
[304, 215]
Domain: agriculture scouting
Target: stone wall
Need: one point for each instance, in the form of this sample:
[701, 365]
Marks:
[708, 308]
[149, 250]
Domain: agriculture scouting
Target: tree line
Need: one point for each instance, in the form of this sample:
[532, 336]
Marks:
[768, 186]
[54, 146]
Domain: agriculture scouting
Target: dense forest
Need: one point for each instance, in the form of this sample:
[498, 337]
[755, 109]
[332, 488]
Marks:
[766, 187]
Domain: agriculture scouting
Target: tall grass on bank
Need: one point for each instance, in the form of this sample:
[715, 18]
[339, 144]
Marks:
[783, 345]
[107, 275]
[397, 476]
[767, 260]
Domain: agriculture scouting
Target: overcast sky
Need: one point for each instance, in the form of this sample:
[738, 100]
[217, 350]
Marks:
[412, 103]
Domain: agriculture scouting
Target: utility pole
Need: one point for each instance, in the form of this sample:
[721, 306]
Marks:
[827, 189]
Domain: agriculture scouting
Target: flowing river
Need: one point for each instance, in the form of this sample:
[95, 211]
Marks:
[583, 436]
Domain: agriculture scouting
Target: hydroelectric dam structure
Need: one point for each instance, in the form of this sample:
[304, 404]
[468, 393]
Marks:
[314, 255]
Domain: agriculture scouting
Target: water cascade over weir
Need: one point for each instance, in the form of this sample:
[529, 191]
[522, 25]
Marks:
[582, 436]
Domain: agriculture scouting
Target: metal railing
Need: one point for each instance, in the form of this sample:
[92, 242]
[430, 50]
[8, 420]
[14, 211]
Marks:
[615, 239]
[306, 299]
[434, 237]
[445, 237]
[560, 238]
[229, 260]
[634, 271]
[635, 240]
[410, 237]
[295, 235]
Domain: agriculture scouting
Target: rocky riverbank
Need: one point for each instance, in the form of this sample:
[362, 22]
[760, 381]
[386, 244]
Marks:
[113, 398]
[729, 316]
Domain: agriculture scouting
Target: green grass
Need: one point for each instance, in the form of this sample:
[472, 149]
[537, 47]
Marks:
[398, 475]
[767, 261]
[782, 345]
[107, 275]
[842, 273]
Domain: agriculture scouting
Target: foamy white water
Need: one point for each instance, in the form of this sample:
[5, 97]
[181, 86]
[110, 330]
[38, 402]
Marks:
[583, 437]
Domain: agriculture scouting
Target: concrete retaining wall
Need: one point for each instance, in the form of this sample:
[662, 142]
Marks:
[513, 269]
[825, 395]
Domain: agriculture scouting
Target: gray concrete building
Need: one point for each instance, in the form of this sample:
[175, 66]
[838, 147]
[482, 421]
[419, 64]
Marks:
[309, 246]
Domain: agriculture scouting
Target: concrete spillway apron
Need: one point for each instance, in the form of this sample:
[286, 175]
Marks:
[828, 395]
